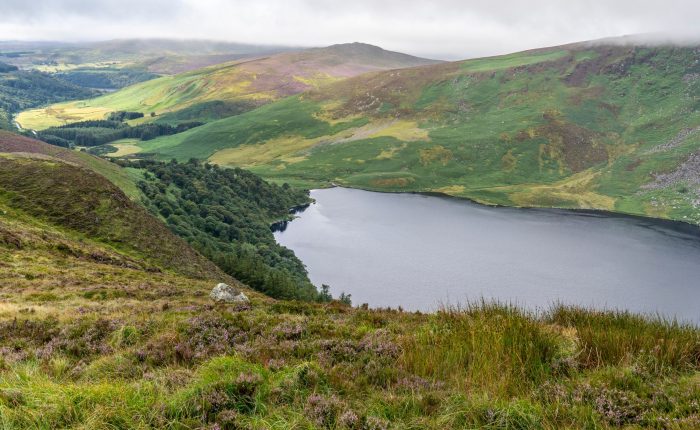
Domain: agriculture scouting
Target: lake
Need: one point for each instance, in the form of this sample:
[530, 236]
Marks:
[420, 252]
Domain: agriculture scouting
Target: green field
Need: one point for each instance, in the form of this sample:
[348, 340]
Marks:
[575, 127]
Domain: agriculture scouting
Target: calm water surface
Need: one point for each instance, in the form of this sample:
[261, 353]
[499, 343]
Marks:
[419, 252]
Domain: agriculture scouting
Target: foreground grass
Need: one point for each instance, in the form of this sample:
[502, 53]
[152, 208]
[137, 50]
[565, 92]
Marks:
[87, 345]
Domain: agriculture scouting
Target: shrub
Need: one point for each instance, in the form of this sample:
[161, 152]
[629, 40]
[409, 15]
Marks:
[224, 383]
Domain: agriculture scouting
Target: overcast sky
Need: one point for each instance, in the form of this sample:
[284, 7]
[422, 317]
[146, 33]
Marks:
[447, 29]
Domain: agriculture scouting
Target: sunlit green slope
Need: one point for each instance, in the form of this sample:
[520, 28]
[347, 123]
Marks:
[580, 126]
[242, 85]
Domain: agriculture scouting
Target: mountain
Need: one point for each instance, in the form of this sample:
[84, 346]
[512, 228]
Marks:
[110, 65]
[162, 56]
[590, 125]
[229, 88]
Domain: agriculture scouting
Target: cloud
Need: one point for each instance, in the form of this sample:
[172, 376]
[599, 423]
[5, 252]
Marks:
[90, 10]
[439, 28]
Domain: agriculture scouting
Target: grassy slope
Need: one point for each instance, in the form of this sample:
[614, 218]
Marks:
[10, 142]
[61, 188]
[251, 82]
[575, 126]
[21, 90]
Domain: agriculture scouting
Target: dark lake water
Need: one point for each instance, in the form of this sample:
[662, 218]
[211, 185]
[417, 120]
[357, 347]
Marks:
[421, 252]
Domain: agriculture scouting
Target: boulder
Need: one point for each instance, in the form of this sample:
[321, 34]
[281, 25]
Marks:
[224, 293]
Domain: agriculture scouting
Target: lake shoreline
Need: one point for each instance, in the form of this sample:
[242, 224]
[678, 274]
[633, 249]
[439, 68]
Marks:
[395, 249]
[415, 252]
[676, 225]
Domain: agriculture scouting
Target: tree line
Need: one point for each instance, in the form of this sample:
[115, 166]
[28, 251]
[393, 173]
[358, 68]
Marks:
[226, 214]
[100, 132]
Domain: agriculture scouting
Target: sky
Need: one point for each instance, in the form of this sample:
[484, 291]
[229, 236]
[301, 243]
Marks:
[443, 29]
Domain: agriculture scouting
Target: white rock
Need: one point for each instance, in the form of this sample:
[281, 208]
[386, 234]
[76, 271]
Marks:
[224, 293]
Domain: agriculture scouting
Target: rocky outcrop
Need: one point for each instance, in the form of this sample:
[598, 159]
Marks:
[224, 293]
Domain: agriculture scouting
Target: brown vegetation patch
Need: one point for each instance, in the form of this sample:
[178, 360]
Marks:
[590, 93]
[633, 165]
[435, 153]
[391, 182]
[9, 238]
[604, 62]
[12, 143]
[580, 147]
[508, 161]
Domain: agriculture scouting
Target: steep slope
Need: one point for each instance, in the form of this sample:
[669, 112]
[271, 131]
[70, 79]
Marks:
[241, 84]
[582, 126]
[223, 214]
[226, 214]
[53, 187]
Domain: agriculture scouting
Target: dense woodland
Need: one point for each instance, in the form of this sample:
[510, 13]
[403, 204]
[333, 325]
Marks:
[100, 132]
[226, 215]
[208, 111]
[5, 68]
[105, 78]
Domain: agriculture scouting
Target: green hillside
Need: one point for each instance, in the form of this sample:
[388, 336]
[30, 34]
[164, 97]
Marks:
[579, 126]
[224, 214]
[242, 84]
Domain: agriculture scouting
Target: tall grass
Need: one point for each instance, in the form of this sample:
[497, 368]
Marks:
[506, 351]
[488, 347]
[614, 338]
